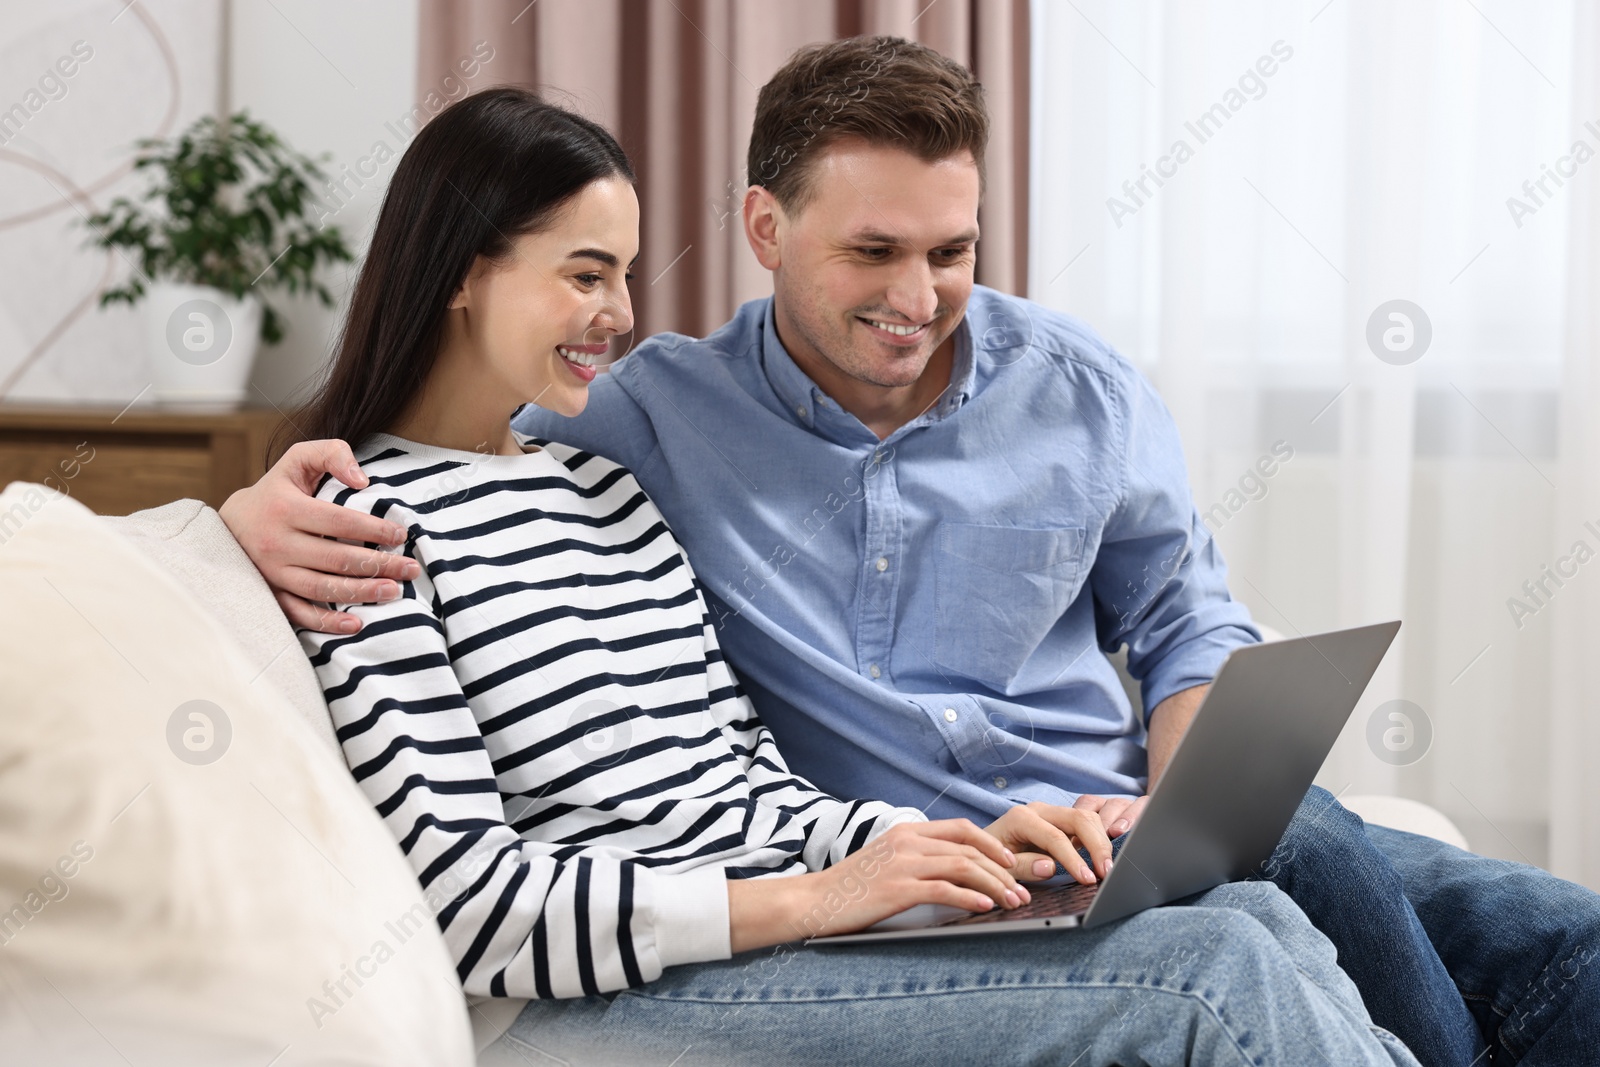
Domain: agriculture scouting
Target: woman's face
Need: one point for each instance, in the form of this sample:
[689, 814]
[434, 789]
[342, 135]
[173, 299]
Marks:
[539, 321]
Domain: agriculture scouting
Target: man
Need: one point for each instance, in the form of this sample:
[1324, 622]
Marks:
[923, 510]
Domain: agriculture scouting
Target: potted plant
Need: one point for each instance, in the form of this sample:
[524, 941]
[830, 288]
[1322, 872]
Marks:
[237, 217]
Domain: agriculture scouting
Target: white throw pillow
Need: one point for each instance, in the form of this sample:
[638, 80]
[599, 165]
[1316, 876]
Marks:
[187, 874]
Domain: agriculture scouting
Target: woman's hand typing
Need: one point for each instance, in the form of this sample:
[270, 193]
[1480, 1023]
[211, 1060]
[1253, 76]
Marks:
[950, 861]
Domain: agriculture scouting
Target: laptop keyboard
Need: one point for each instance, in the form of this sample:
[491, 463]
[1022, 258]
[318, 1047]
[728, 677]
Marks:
[1047, 903]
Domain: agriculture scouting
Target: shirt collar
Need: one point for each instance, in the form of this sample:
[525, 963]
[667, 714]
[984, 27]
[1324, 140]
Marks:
[963, 371]
[803, 397]
[794, 386]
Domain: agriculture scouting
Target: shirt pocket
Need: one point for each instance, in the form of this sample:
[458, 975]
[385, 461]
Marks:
[999, 592]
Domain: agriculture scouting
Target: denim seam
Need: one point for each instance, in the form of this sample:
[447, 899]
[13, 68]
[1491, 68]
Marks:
[1499, 1030]
[1211, 1008]
[1509, 1034]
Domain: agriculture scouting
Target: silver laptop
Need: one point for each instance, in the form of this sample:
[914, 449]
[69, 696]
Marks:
[1236, 779]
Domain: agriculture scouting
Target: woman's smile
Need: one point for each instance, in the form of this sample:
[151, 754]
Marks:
[580, 359]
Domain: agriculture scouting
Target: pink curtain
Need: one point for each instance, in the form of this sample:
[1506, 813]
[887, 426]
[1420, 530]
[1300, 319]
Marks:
[676, 81]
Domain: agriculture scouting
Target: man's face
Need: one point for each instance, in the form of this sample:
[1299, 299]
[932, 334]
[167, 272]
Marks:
[873, 273]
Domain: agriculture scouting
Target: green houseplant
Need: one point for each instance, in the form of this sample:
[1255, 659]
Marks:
[231, 211]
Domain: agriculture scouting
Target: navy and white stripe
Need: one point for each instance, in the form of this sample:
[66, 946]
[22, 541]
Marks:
[546, 723]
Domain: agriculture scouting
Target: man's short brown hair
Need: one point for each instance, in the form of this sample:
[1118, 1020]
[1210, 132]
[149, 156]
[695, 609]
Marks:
[884, 90]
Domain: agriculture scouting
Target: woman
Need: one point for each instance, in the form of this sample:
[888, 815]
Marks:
[545, 720]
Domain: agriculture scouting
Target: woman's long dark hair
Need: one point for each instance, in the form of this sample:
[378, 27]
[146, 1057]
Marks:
[483, 172]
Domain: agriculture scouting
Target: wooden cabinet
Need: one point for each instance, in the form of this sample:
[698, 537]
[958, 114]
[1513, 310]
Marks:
[116, 461]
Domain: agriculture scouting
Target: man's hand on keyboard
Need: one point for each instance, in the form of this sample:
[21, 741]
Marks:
[1117, 814]
[1042, 835]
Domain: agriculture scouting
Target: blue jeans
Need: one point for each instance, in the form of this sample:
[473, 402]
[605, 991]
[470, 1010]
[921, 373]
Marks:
[1452, 952]
[1236, 976]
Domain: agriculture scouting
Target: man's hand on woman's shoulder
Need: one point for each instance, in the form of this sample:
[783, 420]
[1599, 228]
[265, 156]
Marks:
[285, 531]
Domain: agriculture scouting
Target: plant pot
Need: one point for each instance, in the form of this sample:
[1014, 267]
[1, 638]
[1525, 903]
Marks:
[201, 342]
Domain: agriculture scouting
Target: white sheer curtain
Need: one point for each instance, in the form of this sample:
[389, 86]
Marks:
[1229, 192]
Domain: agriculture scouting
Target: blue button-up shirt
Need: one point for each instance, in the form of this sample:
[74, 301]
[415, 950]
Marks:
[923, 619]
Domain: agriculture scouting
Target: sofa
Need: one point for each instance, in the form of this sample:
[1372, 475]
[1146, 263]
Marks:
[188, 874]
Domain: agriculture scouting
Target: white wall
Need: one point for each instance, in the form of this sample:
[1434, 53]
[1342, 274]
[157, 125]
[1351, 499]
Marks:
[331, 78]
[327, 77]
[154, 65]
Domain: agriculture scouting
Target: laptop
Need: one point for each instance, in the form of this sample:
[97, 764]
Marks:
[1239, 773]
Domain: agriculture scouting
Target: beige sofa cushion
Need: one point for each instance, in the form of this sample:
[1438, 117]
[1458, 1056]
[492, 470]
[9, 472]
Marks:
[1402, 813]
[191, 542]
[178, 889]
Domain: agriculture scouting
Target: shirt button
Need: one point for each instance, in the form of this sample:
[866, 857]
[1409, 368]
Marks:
[874, 671]
[999, 783]
[801, 411]
[883, 563]
[950, 715]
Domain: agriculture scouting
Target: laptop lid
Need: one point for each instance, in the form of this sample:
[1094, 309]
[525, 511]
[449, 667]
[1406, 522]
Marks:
[1237, 777]
[1242, 767]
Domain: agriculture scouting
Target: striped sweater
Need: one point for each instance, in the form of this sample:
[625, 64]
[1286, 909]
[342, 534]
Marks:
[547, 725]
